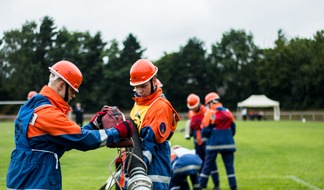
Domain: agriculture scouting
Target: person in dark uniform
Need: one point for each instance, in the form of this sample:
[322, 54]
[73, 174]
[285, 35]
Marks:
[78, 111]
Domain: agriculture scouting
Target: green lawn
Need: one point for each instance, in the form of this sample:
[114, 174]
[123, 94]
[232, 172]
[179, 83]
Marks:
[270, 155]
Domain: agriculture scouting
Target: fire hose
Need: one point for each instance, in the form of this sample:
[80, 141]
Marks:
[138, 179]
[134, 162]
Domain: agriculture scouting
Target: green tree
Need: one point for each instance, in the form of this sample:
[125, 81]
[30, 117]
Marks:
[44, 44]
[111, 54]
[184, 72]
[288, 73]
[17, 62]
[316, 70]
[90, 62]
[271, 70]
[232, 67]
[117, 71]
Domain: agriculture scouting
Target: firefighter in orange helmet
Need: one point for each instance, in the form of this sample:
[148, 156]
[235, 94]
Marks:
[219, 127]
[156, 121]
[195, 115]
[44, 132]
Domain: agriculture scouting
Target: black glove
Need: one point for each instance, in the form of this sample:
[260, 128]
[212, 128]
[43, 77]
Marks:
[96, 121]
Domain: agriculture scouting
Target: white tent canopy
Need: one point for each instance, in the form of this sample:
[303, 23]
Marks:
[261, 101]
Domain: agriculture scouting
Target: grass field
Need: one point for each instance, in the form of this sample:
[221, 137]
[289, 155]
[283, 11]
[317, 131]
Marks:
[270, 155]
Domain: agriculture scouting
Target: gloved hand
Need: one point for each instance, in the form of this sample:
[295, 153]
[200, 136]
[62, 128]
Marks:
[196, 121]
[125, 129]
[96, 121]
[112, 118]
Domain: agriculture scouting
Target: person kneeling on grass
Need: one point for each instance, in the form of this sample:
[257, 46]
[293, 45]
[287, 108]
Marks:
[184, 163]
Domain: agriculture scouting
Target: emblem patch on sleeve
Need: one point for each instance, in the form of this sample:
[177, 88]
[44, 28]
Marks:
[162, 127]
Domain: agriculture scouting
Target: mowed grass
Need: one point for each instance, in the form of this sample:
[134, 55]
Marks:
[270, 155]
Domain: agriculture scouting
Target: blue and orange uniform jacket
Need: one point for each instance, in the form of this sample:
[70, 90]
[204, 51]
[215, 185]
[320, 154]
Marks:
[43, 132]
[199, 140]
[156, 121]
[219, 127]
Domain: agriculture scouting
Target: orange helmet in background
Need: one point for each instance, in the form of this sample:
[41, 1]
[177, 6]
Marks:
[142, 71]
[210, 97]
[31, 94]
[68, 72]
[193, 101]
[159, 83]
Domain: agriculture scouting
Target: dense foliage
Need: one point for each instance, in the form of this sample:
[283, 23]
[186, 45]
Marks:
[291, 72]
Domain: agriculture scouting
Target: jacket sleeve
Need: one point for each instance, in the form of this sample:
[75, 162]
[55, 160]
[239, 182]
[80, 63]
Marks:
[160, 119]
[148, 145]
[54, 126]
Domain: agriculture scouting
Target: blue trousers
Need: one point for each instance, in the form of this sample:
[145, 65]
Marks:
[210, 163]
[179, 182]
[201, 151]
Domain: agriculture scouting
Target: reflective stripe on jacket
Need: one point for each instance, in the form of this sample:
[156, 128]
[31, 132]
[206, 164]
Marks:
[43, 132]
[156, 120]
[219, 127]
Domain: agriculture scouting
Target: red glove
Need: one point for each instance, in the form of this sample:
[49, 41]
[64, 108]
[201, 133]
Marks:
[96, 120]
[112, 118]
[125, 129]
[196, 121]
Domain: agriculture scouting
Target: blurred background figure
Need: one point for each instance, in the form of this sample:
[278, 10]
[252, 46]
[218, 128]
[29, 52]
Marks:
[184, 163]
[31, 94]
[159, 83]
[195, 115]
[244, 114]
[78, 112]
[219, 127]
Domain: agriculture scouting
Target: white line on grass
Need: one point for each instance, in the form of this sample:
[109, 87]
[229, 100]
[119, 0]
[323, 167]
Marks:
[296, 179]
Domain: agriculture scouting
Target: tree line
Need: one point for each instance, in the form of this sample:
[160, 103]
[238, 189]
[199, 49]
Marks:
[291, 72]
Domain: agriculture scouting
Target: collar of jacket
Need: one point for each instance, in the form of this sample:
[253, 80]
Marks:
[55, 99]
[145, 101]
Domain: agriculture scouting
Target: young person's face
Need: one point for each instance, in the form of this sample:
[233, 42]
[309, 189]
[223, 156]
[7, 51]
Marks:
[143, 90]
[71, 92]
[196, 109]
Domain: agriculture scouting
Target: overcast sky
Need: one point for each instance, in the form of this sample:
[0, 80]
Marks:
[165, 25]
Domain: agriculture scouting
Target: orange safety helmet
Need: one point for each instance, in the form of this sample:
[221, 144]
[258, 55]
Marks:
[31, 94]
[142, 71]
[193, 101]
[210, 97]
[68, 72]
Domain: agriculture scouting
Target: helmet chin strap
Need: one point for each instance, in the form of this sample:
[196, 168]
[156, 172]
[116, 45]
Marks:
[66, 96]
[152, 86]
[198, 108]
